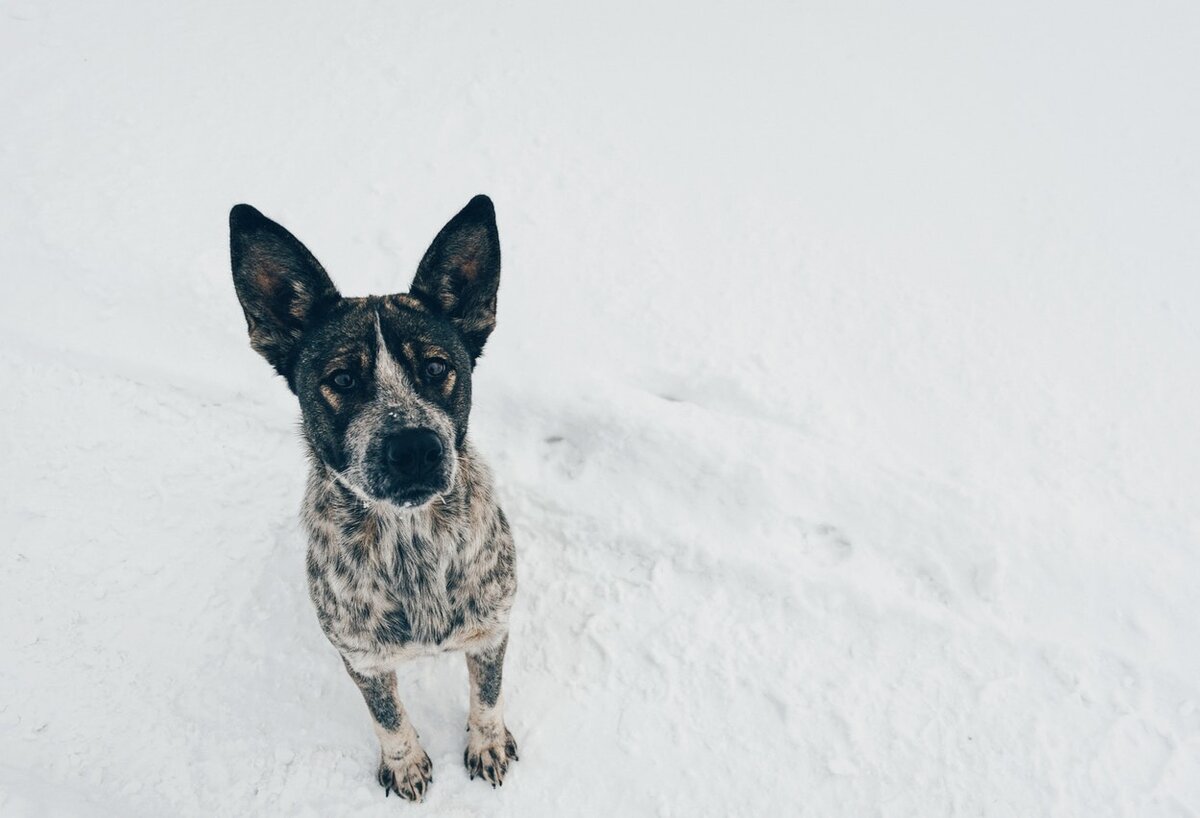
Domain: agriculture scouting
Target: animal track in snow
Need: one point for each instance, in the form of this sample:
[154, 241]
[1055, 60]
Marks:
[564, 455]
[825, 544]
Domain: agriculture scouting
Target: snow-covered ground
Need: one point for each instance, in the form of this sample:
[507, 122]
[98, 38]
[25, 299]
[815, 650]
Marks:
[844, 401]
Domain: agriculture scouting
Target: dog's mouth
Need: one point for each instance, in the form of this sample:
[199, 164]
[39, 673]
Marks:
[409, 497]
[414, 497]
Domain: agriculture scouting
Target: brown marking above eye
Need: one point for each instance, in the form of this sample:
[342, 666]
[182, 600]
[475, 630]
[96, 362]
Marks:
[406, 300]
[352, 359]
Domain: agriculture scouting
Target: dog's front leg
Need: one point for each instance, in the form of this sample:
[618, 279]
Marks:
[490, 747]
[403, 765]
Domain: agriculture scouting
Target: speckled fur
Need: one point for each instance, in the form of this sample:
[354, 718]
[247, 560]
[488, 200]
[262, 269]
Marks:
[392, 583]
[394, 574]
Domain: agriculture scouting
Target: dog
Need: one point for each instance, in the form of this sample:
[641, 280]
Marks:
[409, 552]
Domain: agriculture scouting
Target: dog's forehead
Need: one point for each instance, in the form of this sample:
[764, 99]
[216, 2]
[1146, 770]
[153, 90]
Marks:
[358, 323]
[402, 319]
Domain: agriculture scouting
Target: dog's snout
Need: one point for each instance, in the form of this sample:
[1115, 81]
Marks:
[413, 453]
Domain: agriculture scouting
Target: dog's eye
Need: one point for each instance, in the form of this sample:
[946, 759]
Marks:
[342, 380]
[435, 370]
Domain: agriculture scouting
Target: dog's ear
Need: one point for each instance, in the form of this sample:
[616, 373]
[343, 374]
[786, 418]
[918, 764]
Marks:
[460, 273]
[281, 285]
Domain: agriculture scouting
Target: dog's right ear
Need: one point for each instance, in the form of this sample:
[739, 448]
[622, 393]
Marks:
[281, 285]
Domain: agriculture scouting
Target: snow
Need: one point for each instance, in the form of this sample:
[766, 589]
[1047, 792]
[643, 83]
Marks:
[843, 401]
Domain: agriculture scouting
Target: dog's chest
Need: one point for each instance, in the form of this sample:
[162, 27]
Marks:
[385, 588]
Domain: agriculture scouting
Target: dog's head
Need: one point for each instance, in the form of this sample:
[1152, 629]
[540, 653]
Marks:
[384, 382]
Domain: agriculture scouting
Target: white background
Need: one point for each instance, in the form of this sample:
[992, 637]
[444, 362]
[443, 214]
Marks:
[844, 401]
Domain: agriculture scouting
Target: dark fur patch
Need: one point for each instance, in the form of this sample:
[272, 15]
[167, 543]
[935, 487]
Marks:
[395, 627]
[487, 671]
[379, 692]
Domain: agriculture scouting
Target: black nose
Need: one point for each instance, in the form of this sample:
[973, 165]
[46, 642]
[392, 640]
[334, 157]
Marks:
[413, 453]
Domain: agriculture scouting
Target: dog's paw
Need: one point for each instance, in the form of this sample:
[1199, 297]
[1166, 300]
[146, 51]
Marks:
[488, 756]
[408, 777]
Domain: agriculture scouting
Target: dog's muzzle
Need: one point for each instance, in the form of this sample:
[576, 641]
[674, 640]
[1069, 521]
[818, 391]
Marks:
[412, 466]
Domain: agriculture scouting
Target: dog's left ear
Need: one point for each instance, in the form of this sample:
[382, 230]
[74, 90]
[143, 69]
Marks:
[460, 273]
